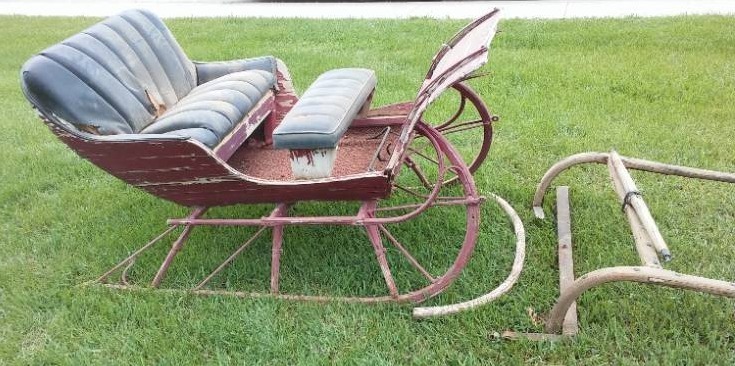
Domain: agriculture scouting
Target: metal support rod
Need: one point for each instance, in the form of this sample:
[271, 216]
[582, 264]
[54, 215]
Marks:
[417, 170]
[230, 258]
[570, 324]
[135, 254]
[368, 209]
[276, 258]
[438, 202]
[406, 254]
[176, 247]
[243, 294]
[124, 274]
[280, 211]
[471, 124]
[419, 153]
[376, 241]
[466, 128]
[377, 151]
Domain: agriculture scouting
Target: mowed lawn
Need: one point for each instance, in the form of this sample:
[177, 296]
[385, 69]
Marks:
[659, 89]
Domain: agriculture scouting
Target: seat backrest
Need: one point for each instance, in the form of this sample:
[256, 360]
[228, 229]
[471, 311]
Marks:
[114, 77]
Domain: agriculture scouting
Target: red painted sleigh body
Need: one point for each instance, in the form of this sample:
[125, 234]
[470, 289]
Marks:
[381, 142]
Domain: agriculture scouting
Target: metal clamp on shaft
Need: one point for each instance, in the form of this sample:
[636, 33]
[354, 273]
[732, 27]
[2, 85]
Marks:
[628, 196]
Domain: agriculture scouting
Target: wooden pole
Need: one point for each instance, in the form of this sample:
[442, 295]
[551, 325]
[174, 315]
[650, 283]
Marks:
[643, 243]
[631, 163]
[634, 199]
[566, 260]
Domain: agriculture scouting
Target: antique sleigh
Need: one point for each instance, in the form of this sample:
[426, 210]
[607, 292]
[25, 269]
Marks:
[123, 95]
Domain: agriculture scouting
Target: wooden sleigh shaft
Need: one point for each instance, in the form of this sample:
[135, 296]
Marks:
[649, 243]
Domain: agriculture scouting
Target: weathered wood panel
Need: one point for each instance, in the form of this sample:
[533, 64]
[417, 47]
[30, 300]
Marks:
[188, 173]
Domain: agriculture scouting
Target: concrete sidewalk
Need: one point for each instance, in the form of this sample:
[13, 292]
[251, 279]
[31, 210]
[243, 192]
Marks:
[547, 9]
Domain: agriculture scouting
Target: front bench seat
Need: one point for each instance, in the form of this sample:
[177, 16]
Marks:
[128, 75]
[324, 113]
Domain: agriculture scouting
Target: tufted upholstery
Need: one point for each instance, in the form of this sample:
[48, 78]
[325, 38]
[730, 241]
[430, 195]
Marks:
[211, 110]
[326, 110]
[208, 71]
[128, 75]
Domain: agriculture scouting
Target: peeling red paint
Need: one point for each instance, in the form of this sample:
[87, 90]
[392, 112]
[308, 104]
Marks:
[302, 153]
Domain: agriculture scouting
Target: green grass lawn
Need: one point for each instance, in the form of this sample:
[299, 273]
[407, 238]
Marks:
[659, 89]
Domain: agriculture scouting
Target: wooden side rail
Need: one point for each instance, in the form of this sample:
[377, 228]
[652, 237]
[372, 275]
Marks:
[246, 127]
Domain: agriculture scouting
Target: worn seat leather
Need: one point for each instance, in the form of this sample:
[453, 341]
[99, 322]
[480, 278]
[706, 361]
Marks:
[326, 110]
[128, 75]
[210, 111]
